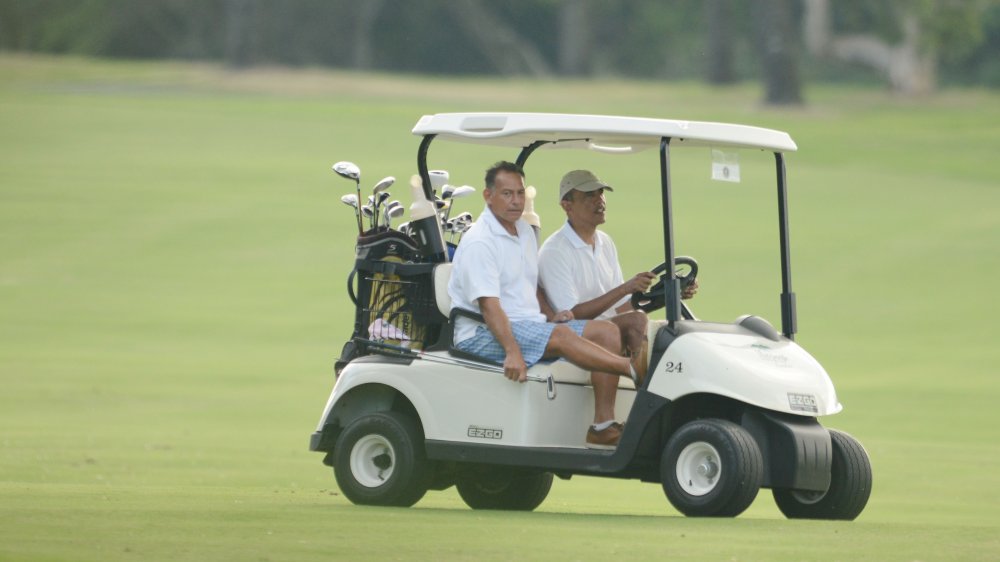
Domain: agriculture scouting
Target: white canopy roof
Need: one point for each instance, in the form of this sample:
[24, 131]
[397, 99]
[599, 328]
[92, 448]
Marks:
[603, 133]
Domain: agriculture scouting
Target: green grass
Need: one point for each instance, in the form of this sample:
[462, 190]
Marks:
[172, 269]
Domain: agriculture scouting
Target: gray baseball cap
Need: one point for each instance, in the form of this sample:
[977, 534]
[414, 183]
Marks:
[580, 180]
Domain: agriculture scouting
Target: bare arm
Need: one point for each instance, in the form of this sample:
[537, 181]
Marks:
[689, 292]
[514, 367]
[550, 313]
[593, 308]
[544, 305]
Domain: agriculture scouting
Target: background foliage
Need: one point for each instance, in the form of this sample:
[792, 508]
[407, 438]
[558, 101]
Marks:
[646, 39]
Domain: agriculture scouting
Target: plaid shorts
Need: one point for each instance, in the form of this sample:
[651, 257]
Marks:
[532, 337]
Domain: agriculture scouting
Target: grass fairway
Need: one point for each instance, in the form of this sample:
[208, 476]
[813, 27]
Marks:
[173, 258]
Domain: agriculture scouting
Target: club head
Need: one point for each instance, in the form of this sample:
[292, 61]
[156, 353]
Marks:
[465, 217]
[347, 170]
[383, 184]
[447, 190]
[463, 191]
[382, 196]
[404, 227]
[351, 199]
[394, 210]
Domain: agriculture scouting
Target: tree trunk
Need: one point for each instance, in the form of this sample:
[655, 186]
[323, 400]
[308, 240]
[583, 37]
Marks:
[574, 37]
[719, 26]
[363, 57]
[509, 53]
[240, 33]
[907, 68]
[780, 66]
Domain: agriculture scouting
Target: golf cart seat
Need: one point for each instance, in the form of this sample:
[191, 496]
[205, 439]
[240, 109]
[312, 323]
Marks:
[561, 370]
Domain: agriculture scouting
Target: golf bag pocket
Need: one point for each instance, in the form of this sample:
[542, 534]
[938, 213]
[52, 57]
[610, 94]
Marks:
[395, 303]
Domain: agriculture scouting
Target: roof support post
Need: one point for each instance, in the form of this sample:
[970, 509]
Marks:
[788, 314]
[526, 152]
[672, 286]
[425, 176]
[429, 235]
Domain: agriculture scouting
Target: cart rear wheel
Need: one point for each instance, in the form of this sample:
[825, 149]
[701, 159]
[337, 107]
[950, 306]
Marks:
[850, 485]
[504, 488]
[379, 460]
[711, 468]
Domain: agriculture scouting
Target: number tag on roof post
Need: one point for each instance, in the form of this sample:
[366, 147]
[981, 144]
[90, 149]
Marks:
[725, 166]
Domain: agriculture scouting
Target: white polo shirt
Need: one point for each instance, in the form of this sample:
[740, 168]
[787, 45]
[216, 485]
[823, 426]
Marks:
[572, 272]
[490, 262]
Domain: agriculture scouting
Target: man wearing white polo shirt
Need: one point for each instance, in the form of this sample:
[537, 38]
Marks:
[580, 272]
[495, 273]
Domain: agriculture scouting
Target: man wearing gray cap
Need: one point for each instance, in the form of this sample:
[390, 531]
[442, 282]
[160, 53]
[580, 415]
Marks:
[495, 274]
[579, 271]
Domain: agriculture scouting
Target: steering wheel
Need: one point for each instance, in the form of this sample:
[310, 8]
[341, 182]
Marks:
[654, 298]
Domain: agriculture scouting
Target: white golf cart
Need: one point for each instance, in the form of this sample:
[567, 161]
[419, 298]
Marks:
[726, 408]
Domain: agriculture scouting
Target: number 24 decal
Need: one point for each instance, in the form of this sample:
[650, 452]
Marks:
[672, 367]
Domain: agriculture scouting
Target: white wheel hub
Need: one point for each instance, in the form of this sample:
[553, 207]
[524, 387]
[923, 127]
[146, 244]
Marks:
[698, 468]
[372, 460]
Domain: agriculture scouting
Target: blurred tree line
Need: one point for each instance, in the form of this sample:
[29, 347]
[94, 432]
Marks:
[913, 46]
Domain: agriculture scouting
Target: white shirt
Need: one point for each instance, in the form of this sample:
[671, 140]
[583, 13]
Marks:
[490, 262]
[572, 271]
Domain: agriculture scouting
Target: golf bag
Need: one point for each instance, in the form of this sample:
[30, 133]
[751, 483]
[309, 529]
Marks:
[393, 293]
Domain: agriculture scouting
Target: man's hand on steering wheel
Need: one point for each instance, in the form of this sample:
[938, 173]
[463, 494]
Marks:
[640, 283]
[690, 290]
[653, 298]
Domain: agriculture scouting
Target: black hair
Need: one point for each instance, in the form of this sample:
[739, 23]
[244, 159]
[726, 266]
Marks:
[501, 166]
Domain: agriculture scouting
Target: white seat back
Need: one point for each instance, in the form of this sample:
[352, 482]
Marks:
[442, 274]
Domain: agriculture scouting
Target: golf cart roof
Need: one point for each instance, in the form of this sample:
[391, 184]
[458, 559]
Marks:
[602, 133]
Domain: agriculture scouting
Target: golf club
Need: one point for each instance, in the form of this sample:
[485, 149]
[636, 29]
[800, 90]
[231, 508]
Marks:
[393, 210]
[377, 190]
[449, 230]
[389, 212]
[350, 170]
[456, 193]
[351, 200]
[367, 212]
[379, 200]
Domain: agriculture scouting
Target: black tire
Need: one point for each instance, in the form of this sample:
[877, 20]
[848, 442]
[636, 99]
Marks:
[850, 485]
[711, 468]
[379, 459]
[505, 488]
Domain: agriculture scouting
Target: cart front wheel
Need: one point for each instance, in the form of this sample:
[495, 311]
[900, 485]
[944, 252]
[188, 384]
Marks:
[711, 468]
[850, 485]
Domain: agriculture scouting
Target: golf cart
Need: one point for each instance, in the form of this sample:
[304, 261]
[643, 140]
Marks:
[725, 409]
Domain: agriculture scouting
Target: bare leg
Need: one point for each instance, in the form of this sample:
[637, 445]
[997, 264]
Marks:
[585, 353]
[605, 385]
[633, 329]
